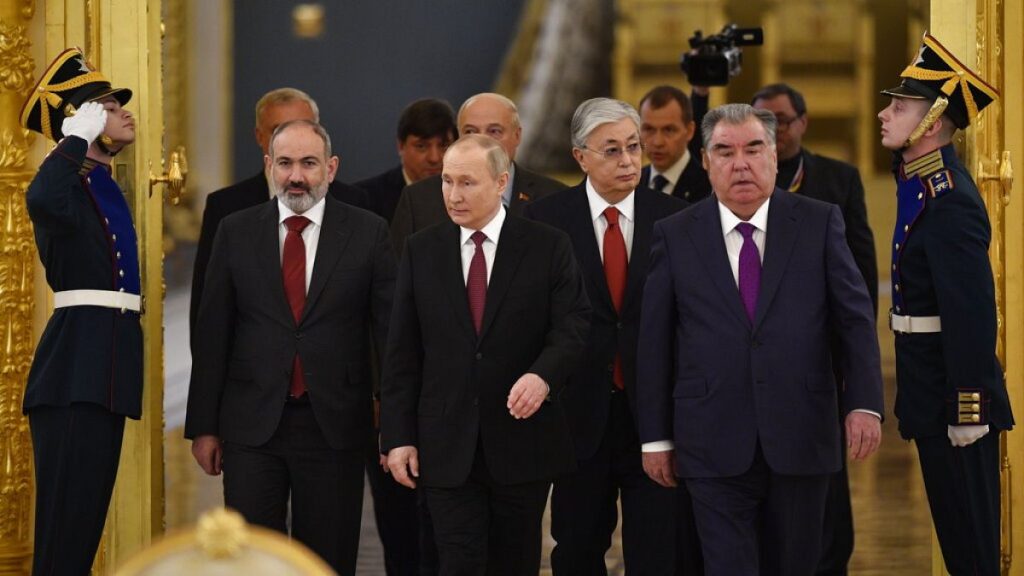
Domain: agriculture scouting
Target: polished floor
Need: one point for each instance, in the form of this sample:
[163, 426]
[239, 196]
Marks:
[893, 527]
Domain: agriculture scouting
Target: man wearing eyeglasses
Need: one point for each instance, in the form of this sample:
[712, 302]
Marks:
[839, 183]
[609, 217]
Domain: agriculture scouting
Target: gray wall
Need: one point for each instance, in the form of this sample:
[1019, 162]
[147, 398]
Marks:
[374, 57]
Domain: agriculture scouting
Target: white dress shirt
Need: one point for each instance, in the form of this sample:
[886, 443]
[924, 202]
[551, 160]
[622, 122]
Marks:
[627, 215]
[490, 245]
[310, 235]
[673, 174]
[733, 238]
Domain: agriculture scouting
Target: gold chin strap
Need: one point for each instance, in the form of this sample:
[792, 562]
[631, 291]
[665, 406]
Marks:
[934, 113]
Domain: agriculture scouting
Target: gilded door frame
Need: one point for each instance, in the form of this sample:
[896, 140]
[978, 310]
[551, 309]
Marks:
[994, 46]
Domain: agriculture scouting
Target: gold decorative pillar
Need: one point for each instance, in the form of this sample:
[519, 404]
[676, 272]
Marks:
[17, 258]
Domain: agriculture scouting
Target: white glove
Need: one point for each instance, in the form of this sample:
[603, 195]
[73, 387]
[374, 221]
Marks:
[87, 123]
[961, 436]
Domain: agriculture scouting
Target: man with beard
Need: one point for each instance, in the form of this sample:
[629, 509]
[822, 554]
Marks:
[280, 388]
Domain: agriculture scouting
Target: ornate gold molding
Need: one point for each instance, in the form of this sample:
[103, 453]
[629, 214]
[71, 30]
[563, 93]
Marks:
[17, 260]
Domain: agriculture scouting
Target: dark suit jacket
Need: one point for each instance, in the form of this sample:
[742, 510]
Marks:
[693, 185]
[587, 397]
[383, 191]
[720, 386]
[839, 183]
[445, 388]
[244, 194]
[422, 204]
[247, 338]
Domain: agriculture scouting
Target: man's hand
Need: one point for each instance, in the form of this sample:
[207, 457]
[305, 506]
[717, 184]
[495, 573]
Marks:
[526, 396]
[209, 453]
[88, 122]
[960, 436]
[863, 434]
[661, 467]
[404, 464]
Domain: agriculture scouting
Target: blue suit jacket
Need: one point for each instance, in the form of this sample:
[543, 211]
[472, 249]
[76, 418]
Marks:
[718, 385]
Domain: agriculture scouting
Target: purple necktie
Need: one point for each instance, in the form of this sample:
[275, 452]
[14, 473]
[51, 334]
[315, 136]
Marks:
[750, 269]
[476, 281]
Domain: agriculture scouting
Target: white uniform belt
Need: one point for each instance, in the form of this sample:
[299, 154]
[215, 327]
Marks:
[104, 298]
[914, 324]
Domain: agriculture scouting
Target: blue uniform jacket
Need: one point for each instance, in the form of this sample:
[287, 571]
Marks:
[940, 267]
[86, 240]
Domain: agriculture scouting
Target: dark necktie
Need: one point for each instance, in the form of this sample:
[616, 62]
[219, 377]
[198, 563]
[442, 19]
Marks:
[293, 269]
[476, 281]
[615, 273]
[749, 269]
[659, 183]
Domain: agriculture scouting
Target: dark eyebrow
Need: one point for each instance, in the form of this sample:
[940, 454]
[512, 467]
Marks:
[756, 143]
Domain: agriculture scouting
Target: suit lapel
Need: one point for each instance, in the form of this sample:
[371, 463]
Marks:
[452, 280]
[506, 261]
[779, 241]
[707, 239]
[334, 237]
[268, 258]
[643, 227]
[581, 229]
[521, 194]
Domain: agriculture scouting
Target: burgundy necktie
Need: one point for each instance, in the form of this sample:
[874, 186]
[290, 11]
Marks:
[293, 269]
[615, 273]
[476, 281]
[750, 269]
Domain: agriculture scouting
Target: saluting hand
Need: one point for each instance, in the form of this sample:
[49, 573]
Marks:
[526, 396]
[88, 122]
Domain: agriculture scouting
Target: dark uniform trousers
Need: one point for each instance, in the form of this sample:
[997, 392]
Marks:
[76, 450]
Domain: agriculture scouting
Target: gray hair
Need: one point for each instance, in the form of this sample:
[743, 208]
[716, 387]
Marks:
[497, 159]
[284, 96]
[737, 114]
[502, 99]
[595, 112]
[314, 126]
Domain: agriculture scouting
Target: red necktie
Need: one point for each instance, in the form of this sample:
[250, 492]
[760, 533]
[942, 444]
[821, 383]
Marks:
[293, 269]
[476, 281]
[615, 273]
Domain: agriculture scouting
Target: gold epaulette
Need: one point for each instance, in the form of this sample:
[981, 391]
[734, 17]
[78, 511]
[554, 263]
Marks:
[925, 165]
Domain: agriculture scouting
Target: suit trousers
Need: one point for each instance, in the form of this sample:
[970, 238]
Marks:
[760, 523]
[837, 529]
[396, 511]
[325, 486]
[963, 494]
[584, 510]
[76, 450]
[483, 528]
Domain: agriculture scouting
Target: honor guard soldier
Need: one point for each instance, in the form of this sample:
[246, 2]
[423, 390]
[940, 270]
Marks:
[87, 372]
[951, 398]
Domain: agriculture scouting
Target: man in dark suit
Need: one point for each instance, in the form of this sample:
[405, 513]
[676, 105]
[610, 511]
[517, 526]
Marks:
[280, 390]
[951, 397]
[86, 376]
[490, 318]
[273, 109]
[421, 205]
[425, 129]
[735, 381]
[839, 183]
[609, 219]
[668, 132]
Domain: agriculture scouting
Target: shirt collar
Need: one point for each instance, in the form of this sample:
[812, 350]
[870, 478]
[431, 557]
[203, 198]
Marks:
[314, 214]
[599, 204]
[674, 171]
[492, 229]
[730, 220]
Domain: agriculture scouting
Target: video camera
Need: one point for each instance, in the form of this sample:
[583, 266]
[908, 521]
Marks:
[712, 61]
